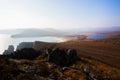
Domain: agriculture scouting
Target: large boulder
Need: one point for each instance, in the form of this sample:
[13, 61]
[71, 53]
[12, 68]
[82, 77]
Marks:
[62, 57]
[57, 56]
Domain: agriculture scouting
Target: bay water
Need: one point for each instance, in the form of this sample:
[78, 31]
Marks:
[6, 40]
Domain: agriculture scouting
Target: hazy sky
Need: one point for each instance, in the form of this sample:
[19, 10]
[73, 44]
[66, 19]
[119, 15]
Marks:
[59, 14]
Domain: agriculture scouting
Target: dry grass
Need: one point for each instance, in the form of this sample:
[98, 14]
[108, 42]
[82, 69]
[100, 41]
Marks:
[74, 74]
[107, 53]
[98, 67]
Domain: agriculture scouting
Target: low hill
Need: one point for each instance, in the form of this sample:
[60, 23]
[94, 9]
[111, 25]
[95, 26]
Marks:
[99, 50]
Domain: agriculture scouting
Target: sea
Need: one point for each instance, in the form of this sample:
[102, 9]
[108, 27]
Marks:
[6, 40]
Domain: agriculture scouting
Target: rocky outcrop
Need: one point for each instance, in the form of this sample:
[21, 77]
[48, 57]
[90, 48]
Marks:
[26, 53]
[62, 57]
[25, 45]
[9, 50]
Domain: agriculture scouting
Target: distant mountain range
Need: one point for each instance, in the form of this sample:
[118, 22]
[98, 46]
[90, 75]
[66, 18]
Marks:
[33, 32]
[38, 32]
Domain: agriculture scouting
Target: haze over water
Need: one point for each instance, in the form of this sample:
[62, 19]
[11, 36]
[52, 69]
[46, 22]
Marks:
[6, 40]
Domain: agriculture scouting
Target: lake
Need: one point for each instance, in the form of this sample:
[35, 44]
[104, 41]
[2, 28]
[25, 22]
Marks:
[97, 36]
[6, 40]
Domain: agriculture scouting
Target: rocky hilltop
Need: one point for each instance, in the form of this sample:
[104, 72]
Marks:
[53, 64]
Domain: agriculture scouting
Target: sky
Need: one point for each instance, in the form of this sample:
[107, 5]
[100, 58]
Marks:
[59, 14]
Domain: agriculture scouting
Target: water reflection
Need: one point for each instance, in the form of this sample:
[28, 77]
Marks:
[5, 40]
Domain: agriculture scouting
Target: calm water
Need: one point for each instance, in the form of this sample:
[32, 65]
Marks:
[6, 40]
[97, 36]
